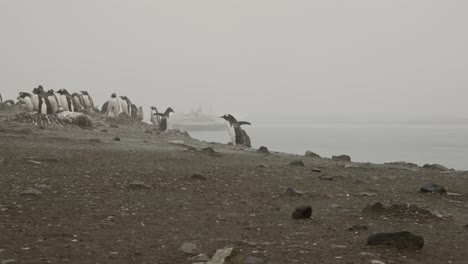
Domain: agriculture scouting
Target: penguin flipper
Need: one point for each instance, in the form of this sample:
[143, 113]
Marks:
[104, 108]
[244, 123]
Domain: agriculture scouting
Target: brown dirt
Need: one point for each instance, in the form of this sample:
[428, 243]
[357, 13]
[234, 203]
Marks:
[90, 213]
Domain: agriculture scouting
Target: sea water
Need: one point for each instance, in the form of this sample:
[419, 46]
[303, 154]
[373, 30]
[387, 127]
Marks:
[421, 143]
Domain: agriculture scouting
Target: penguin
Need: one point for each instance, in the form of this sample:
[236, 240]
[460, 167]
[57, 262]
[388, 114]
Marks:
[113, 107]
[36, 93]
[1, 99]
[155, 119]
[78, 102]
[87, 100]
[40, 101]
[25, 98]
[126, 105]
[66, 100]
[140, 114]
[104, 107]
[165, 123]
[237, 134]
[8, 103]
[54, 102]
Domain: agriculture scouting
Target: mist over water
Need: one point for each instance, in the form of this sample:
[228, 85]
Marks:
[445, 144]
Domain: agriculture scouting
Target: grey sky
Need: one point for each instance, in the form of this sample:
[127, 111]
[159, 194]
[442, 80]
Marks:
[351, 58]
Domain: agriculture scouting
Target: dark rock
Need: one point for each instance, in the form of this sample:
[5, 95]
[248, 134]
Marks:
[253, 260]
[293, 192]
[302, 212]
[104, 130]
[316, 170]
[374, 207]
[466, 227]
[437, 167]
[297, 163]
[31, 192]
[433, 188]
[311, 154]
[138, 185]
[116, 139]
[358, 228]
[342, 158]
[263, 150]
[197, 176]
[402, 240]
[327, 177]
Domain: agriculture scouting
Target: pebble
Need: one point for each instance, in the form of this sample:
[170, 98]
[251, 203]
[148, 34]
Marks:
[342, 158]
[334, 206]
[138, 185]
[297, 163]
[197, 176]
[302, 212]
[116, 139]
[369, 194]
[291, 191]
[316, 170]
[377, 262]
[433, 188]
[201, 257]
[358, 228]
[263, 150]
[188, 247]
[401, 240]
[9, 261]
[32, 192]
[253, 260]
[311, 154]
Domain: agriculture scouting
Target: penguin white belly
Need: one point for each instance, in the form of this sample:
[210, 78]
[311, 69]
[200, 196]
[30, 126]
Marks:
[28, 103]
[78, 103]
[124, 106]
[43, 105]
[154, 118]
[35, 102]
[66, 103]
[114, 104]
[232, 133]
[53, 104]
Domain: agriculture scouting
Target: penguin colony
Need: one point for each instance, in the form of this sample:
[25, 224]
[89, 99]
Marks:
[51, 102]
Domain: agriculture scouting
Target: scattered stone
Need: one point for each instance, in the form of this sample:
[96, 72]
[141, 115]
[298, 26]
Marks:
[188, 247]
[402, 164]
[201, 257]
[369, 194]
[32, 192]
[327, 177]
[338, 246]
[401, 240]
[334, 206]
[366, 254]
[311, 154]
[198, 176]
[355, 228]
[437, 167]
[407, 210]
[116, 139]
[291, 191]
[453, 194]
[9, 261]
[297, 163]
[34, 162]
[104, 130]
[316, 170]
[433, 188]
[263, 150]
[220, 256]
[377, 262]
[138, 185]
[253, 260]
[302, 212]
[342, 158]
[374, 207]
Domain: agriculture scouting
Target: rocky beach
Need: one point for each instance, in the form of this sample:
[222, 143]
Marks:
[122, 192]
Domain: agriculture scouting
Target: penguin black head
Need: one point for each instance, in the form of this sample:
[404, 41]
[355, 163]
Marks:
[153, 108]
[23, 95]
[84, 92]
[113, 95]
[62, 91]
[168, 111]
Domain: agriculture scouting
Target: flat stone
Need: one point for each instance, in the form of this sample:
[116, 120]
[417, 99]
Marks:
[138, 185]
[9, 261]
[34, 162]
[437, 167]
[263, 150]
[327, 177]
[377, 262]
[311, 154]
[32, 192]
[334, 206]
[253, 260]
[188, 247]
[316, 170]
[402, 240]
[302, 212]
[369, 194]
[198, 176]
[345, 158]
[297, 163]
[201, 257]
[433, 188]
[291, 191]
[220, 255]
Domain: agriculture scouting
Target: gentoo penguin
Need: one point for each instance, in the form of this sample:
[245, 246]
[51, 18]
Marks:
[54, 102]
[78, 102]
[36, 93]
[140, 114]
[66, 100]
[25, 98]
[165, 123]
[1, 99]
[113, 107]
[41, 101]
[104, 107]
[87, 100]
[126, 105]
[237, 134]
[155, 119]
[134, 111]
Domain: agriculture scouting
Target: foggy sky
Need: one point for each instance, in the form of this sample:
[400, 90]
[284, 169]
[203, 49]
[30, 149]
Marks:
[381, 59]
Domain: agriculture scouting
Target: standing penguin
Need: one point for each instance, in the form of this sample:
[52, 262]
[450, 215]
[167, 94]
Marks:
[87, 100]
[134, 111]
[126, 105]
[237, 134]
[113, 107]
[25, 98]
[36, 93]
[54, 102]
[66, 100]
[140, 114]
[155, 119]
[78, 102]
[165, 123]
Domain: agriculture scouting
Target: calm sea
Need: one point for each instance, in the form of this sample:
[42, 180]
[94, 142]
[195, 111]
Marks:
[445, 144]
